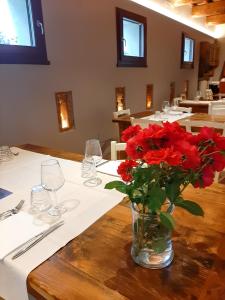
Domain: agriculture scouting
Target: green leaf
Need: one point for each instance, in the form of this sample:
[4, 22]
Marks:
[156, 198]
[167, 220]
[173, 190]
[118, 185]
[190, 206]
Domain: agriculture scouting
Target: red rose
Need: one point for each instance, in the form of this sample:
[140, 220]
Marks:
[191, 158]
[125, 169]
[168, 155]
[130, 132]
[207, 177]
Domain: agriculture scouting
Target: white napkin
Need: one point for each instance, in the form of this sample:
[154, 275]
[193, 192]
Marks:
[109, 167]
[16, 230]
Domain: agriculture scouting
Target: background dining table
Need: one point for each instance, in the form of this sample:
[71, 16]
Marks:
[97, 264]
[124, 121]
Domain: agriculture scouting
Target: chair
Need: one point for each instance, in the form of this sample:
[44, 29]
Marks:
[115, 147]
[144, 123]
[116, 114]
[176, 101]
[190, 125]
[182, 109]
[217, 108]
[123, 112]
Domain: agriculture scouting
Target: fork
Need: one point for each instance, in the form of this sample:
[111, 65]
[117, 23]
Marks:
[12, 211]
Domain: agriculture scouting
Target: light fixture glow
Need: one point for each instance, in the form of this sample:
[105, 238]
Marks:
[184, 20]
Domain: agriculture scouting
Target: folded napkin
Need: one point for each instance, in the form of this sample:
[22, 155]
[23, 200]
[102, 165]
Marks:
[4, 193]
[17, 230]
[110, 167]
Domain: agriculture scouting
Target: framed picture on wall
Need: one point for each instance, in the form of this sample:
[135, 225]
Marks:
[187, 51]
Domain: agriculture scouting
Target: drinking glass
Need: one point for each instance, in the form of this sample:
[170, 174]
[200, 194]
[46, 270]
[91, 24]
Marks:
[40, 200]
[5, 153]
[89, 171]
[93, 151]
[165, 106]
[52, 180]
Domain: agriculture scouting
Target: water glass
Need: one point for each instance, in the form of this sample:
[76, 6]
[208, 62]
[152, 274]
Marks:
[165, 106]
[5, 153]
[88, 170]
[93, 151]
[40, 200]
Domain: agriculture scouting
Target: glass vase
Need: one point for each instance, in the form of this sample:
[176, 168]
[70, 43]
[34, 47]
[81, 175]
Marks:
[152, 244]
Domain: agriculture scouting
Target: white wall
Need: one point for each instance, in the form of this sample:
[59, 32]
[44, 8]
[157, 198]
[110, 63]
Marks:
[81, 45]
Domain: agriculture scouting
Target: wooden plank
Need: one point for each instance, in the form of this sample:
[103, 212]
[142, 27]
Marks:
[215, 20]
[212, 8]
[177, 3]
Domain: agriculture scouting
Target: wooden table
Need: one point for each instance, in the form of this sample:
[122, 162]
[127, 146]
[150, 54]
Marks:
[97, 264]
[200, 106]
[124, 121]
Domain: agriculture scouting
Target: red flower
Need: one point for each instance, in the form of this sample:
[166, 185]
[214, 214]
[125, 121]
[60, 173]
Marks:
[137, 146]
[207, 177]
[125, 170]
[218, 163]
[168, 155]
[191, 158]
[130, 132]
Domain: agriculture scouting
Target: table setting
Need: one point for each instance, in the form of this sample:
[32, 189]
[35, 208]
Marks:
[45, 203]
[168, 113]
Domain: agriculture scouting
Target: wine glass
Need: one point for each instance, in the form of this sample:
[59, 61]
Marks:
[93, 155]
[93, 151]
[165, 106]
[52, 180]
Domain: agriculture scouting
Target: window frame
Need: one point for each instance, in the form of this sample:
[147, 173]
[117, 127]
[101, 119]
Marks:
[186, 64]
[14, 54]
[124, 60]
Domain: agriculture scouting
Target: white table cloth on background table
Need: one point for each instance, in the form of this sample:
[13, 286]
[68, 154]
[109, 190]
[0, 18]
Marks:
[170, 117]
[18, 176]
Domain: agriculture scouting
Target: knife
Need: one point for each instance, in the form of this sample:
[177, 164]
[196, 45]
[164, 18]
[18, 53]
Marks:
[33, 241]
[12, 211]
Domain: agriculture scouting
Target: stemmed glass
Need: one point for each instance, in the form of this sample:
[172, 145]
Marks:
[93, 151]
[52, 180]
[93, 155]
[165, 106]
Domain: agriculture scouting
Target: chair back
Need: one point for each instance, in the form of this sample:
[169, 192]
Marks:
[217, 108]
[144, 123]
[191, 126]
[115, 147]
[122, 112]
[182, 109]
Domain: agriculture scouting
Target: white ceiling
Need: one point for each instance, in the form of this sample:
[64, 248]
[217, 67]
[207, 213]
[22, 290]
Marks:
[183, 15]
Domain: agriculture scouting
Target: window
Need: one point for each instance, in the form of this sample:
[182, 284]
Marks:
[131, 39]
[187, 52]
[22, 39]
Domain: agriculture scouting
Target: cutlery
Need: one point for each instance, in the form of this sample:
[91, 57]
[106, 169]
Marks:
[33, 241]
[12, 211]
[102, 163]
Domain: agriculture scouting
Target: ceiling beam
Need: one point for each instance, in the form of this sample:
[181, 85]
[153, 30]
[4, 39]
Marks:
[177, 3]
[209, 9]
[215, 20]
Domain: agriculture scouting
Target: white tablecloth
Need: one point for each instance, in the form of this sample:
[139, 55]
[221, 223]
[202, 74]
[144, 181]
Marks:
[168, 117]
[18, 176]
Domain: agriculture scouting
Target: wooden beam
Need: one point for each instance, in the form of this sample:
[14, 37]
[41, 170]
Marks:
[214, 20]
[209, 9]
[177, 3]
